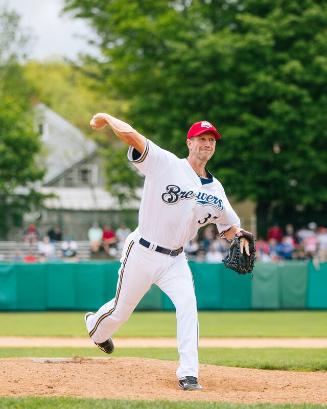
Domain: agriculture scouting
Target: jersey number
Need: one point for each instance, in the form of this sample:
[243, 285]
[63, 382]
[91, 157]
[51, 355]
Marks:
[204, 221]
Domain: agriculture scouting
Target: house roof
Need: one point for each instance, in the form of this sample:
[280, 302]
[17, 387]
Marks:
[85, 198]
[63, 144]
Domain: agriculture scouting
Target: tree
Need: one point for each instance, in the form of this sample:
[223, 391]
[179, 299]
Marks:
[68, 90]
[19, 144]
[256, 68]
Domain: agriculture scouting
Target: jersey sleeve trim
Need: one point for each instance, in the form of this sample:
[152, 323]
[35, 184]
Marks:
[143, 155]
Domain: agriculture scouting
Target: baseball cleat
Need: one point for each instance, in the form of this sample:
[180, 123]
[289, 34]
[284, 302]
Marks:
[106, 346]
[189, 383]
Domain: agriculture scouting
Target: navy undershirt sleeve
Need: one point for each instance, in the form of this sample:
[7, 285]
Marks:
[136, 154]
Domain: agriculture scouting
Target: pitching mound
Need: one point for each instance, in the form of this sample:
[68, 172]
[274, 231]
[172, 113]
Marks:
[149, 379]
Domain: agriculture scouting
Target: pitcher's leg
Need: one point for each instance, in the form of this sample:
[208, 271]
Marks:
[132, 284]
[177, 283]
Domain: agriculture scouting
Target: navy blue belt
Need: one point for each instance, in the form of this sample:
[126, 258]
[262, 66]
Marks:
[160, 249]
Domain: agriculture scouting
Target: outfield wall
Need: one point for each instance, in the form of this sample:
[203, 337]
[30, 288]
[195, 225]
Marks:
[88, 285]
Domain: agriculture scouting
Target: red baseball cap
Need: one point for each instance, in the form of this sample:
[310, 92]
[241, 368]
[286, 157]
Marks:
[202, 127]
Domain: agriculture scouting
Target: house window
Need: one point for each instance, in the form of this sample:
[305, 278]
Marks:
[87, 175]
[69, 180]
[42, 127]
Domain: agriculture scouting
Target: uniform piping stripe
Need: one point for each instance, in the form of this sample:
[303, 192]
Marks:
[197, 336]
[144, 154]
[117, 293]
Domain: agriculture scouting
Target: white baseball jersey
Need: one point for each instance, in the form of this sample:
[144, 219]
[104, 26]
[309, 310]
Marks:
[174, 203]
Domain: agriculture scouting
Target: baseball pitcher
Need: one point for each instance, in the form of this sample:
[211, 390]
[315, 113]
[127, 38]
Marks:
[179, 197]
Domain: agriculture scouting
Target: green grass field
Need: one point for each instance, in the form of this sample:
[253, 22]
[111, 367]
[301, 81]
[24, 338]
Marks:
[303, 359]
[162, 324]
[70, 403]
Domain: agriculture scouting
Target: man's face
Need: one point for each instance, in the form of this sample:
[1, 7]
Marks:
[202, 147]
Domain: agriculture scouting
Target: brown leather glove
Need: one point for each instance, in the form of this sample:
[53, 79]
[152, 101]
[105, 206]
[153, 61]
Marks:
[238, 260]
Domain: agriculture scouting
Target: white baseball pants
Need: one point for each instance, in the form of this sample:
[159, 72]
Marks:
[140, 268]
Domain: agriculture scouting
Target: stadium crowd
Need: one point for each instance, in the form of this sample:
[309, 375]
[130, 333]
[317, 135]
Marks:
[103, 242]
[309, 242]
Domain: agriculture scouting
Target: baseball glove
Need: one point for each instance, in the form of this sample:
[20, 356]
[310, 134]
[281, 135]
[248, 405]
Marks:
[238, 261]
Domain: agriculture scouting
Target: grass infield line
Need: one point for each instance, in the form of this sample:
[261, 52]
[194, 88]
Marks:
[163, 324]
[73, 403]
[300, 359]
[163, 342]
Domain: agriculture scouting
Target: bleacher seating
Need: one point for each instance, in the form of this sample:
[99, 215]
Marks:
[10, 250]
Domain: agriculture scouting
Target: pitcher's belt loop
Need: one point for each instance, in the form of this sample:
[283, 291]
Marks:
[160, 249]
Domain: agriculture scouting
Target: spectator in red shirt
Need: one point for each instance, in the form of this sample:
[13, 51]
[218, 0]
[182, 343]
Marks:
[263, 249]
[108, 238]
[31, 235]
[275, 232]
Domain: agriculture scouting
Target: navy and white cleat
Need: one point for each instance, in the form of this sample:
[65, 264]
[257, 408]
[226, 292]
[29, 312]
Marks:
[189, 383]
[106, 346]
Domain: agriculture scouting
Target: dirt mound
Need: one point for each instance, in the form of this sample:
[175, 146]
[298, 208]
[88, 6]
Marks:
[135, 378]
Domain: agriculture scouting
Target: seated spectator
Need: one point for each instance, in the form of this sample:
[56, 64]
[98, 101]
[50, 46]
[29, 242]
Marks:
[305, 232]
[31, 234]
[192, 248]
[273, 249]
[262, 247]
[55, 234]
[46, 249]
[265, 258]
[322, 243]
[310, 244]
[263, 250]
[121, 233]
[69, 248]
[285, 249]
[299, 253]
[213, 255]
[30, 258]
[222, 246]
[17, 256]
[201, 256]
[209, 235]
[289, 230]
[95, 237]
[108, 240]
[275, 232]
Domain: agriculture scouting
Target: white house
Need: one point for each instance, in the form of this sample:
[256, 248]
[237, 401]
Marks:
[75, 178]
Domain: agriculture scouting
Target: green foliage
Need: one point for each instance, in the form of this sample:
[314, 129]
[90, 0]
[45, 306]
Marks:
[69, 90]
[19, 143]
[255, 68]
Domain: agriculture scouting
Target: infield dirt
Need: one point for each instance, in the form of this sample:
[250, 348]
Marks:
[150, 379]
